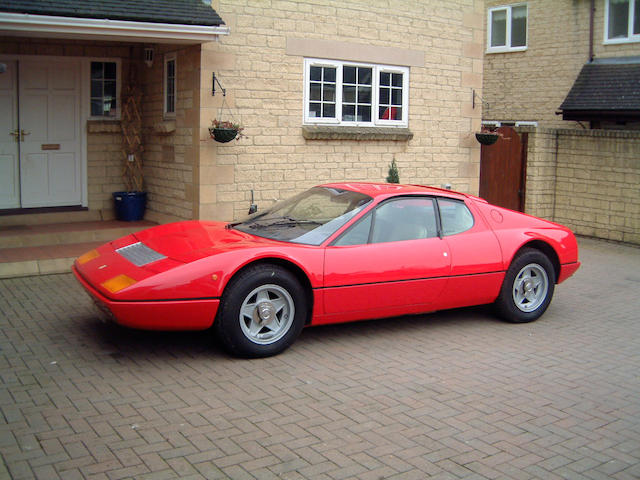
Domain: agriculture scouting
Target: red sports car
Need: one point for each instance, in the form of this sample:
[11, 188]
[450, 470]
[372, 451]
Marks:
[334, 253]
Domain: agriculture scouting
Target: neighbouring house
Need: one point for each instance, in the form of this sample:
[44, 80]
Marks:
[566, 75]
[325, 91]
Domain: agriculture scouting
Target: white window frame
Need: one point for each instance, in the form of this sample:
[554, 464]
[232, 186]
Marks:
[506, 48]
[118, 109]
[375, 86]
[631, 37]
[169, 57]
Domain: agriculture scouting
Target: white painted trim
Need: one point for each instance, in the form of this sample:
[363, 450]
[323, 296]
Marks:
[376, 69]
[630, 38]
[509, 20]
[167, 58]
[71, 27]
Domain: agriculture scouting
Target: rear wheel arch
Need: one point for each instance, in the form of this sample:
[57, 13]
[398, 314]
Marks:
[547, 250]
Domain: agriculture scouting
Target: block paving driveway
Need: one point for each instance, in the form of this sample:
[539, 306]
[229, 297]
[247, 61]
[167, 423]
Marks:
[450, 395]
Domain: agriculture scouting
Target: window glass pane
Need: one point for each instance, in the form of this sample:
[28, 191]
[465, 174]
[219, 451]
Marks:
[396, 97]
[96, 107]
[396, 113]
[349, 113]
[364, 113]
[96, 88]
[385, 78]
[110, 88]
[618, 18]
[397, 80]
[110, 70]
[315, 91]
[96, 70]
[519, 26]
[364, 94]
[329, 110]
[364, 76]
[314, 110]
[315, 74]
[384, 96]
[329, 94]
[636, 18]
[455, 216]
[349, 94]
[499, 28]
[330, 74]
[404, 219]
[349, 75]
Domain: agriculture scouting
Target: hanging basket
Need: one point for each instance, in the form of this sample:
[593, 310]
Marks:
[487, 138]
[223, 135]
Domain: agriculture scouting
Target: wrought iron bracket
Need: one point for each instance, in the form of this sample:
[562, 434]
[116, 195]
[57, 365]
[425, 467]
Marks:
[215, 80]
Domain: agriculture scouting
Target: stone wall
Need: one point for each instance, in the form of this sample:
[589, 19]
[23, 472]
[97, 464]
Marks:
[586, 179]
[261, 65]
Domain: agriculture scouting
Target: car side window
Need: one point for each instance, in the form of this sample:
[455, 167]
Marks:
[454, 216]
[358, 234]
[410, 218]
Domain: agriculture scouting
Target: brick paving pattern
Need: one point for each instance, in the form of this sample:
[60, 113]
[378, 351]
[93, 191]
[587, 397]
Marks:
[451, 395]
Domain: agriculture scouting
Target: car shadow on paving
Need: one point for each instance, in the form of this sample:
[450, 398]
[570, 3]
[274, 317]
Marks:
[456, 394]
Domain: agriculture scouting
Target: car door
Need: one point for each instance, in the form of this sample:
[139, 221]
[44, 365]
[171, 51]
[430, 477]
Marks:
[476, 258]
[391, 262]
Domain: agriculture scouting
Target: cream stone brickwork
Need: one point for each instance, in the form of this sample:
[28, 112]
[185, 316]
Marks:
[587, 180]
[261, 66]
[531, 85]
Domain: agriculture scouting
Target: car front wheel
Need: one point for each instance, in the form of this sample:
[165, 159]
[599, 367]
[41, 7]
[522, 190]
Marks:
[527, 288]
[263, 311]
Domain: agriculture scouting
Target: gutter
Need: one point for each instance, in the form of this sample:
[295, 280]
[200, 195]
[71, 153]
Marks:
[116, 30]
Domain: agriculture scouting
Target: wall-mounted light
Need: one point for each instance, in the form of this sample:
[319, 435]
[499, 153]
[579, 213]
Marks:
[148, 56]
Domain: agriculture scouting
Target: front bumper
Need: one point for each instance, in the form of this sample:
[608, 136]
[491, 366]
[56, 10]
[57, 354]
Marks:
[187, 314]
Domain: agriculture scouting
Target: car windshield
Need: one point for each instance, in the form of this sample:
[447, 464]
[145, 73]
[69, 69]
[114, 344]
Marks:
[309, 218]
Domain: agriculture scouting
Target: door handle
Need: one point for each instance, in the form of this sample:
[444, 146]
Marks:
[22, 134]
[15, 134]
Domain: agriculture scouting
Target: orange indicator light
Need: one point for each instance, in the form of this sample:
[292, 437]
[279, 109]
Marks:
[84, 258]
[118, 283]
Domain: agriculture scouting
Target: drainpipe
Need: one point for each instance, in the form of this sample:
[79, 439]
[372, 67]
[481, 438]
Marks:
[592, 12]
[555, 181]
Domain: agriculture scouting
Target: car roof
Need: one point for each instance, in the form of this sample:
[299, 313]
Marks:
[376, 190]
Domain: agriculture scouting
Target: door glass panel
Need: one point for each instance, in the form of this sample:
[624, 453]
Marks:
[404, 219]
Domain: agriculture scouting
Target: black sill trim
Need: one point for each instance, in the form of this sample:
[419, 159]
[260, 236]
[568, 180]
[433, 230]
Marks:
[164, 300]
[410, 280]
[326, 132]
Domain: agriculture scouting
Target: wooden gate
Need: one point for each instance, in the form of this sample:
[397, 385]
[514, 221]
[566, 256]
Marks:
[503, 170]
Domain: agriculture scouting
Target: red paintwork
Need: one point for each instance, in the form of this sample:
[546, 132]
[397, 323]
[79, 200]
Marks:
[348, 283]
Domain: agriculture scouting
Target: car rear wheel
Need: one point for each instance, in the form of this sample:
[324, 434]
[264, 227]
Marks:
[527, 288]
[263, 311]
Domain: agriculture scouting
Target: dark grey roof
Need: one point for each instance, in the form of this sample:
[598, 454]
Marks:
[184, 12]
[610, 87]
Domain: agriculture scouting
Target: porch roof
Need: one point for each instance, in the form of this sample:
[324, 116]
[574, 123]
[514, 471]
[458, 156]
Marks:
[166, 21]
[607, 88]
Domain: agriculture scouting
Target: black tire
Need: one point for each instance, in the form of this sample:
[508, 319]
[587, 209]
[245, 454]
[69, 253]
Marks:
[528, 287]
[263, 310]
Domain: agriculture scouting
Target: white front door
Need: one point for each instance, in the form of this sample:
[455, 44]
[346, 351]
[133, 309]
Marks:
[46, 139]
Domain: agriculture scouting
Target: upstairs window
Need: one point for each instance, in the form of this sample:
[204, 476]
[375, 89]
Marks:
[346, 93]
[104, 89]
[170, 85]
[622, 21]
[507, 29]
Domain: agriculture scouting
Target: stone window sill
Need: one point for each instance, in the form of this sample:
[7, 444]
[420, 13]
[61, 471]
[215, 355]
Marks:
[324, 132]
[103, 126]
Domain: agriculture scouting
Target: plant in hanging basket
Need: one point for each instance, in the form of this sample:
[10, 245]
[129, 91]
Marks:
[225, 131]
[488, 136]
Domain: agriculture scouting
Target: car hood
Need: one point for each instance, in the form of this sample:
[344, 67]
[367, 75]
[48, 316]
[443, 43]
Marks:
[192, 240]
